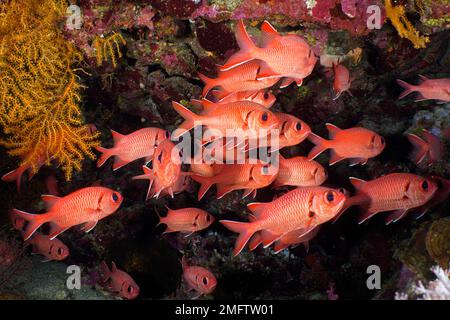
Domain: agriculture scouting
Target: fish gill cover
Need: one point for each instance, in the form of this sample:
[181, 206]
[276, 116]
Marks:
[355, 94]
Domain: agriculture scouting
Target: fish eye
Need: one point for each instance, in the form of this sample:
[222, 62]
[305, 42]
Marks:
[298, 126]
[330, 196]
[425, 185]
[115, 197]
[266, 95]
[60, 251]
[265, 116]
[167, 134]
[311, 214]
[205, 280]
[160, 157]
[130, 289]
[208, 218]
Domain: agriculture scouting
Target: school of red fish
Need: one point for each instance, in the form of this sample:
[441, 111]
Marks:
[238, 99]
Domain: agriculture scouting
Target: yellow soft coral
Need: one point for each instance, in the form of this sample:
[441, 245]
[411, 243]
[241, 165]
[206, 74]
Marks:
[404, 28]
[108, 47]
[39, 89]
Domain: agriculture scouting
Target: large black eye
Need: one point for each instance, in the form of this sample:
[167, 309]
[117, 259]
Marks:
[311, 214]
[208, 218]
[205, 281]
[298, 126]
[265, 116]
[160, 157]
[167, 134]
[60, 251]
[115, 197]
[425, 185]
[266, 95]
[130, 289]
[330, 196]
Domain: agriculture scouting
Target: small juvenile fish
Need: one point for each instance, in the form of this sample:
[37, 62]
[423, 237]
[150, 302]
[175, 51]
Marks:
[136, 145]
[198, 278]
[292, 238]
[165, 172]
[263, 97]
[241, 78]
[437, 89]
[236, 176]
[342, 80]
[356, 144]
[240, 115]
[85, 206]
[429, 148]
[186, 220]
[302, 208]
[118, 281]
[300, 172]
[284, 56]
[396, 192]
[51, 249]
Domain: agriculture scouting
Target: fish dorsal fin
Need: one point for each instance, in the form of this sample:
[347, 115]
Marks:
[357, 183]
[423, 78]
[208, 105]
[268, 33]
[256, 208]
[116, 136]
[332, 130]
[50, 201]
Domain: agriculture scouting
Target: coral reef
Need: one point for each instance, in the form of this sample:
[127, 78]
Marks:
[108, 48]
[39, 88]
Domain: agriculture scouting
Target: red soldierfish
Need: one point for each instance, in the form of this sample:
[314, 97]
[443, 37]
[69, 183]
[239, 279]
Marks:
[186, 220]
[198, 278]
[240, 115]
[437, 89]
[441, 194]
[302, 208]
[341, 80]
[300, 172]
[237, 176]
[85, 206]
[241, 78]
[136, 145]
[51, 249]
[357, 144]
[429, 148]
[397, 192]
[118, 281]
[284, 56]
[263, 97]
[16, 175]
[165, 172]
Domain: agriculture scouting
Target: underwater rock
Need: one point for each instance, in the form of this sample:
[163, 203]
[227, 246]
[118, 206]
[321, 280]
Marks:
[438, 242]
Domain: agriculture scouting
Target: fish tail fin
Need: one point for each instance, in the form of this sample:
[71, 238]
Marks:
[408, 88]
[34, 221]
[189, 119]
[209, 83]
[106, 154]
[420, 150]
[205, 185]
[321, 145]
[247, 48]
[15, 175]
[245, 230]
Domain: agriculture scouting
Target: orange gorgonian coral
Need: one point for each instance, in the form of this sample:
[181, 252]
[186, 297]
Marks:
[39, 88]
[405, 29]
[108, 47]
